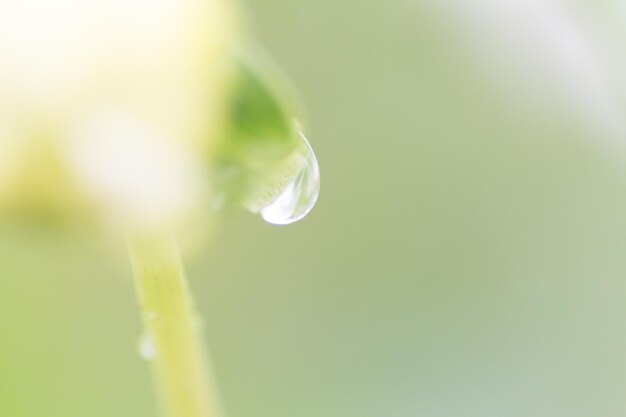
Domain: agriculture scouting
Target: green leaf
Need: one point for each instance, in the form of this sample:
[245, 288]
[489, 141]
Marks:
[260, 151]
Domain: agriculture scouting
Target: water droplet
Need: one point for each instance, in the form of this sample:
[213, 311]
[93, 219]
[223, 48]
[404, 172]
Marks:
[300, 195]
[147, 349]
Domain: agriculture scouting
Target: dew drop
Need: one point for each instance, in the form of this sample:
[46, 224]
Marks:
[300, 195]
[147, 349]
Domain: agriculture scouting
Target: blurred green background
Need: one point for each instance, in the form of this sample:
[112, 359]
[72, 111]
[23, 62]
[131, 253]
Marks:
[467, 256]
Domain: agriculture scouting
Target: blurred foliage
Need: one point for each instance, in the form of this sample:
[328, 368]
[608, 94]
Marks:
[466, 256]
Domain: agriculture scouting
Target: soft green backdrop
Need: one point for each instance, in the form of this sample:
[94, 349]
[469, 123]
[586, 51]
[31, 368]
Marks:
[467, 256]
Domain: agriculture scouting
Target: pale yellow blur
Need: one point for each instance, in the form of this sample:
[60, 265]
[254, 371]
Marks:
[110, 104]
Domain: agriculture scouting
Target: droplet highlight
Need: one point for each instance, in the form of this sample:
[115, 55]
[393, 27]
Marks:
[146, 347]
[300, 195]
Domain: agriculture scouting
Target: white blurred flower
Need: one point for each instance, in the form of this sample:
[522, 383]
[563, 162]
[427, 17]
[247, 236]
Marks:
[110, 104]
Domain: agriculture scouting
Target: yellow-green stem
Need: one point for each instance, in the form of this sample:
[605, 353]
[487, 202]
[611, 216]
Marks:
[172, 330]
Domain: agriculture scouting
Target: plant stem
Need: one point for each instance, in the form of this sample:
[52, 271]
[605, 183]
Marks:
[172, 336]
